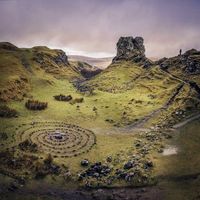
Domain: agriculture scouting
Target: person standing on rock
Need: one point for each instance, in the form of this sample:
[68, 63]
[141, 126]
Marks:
[180, 52]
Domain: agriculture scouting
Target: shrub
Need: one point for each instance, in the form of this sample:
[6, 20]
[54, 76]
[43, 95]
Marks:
[62, 97]
[77, 100]
[36, 105]
[27, 145]
[7, 112]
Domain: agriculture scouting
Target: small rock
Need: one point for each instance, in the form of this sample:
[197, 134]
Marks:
[109, 159]
[84, 163]
[128, 165]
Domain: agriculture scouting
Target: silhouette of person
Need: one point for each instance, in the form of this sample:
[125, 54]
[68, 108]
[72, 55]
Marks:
[180, 52]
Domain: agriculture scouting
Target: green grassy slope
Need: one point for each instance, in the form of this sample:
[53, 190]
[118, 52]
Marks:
[140, 91]
[19, 66]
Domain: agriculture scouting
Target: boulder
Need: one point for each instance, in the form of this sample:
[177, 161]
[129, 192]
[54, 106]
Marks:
[95, 170]
[109, 159]
[128, 165]
[84, 163]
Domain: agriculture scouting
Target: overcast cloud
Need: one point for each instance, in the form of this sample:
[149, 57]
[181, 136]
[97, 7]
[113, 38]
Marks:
[92, 27]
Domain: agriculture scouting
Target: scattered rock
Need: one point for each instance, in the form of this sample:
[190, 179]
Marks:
[62, 97]
[129, 176]
[109, 159]
[84, 163]
[148, 164]
[13, 187]
[96, 170]
[28, 145]
[128, 165]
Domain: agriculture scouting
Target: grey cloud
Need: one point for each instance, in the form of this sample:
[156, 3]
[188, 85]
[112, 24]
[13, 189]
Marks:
[94, 26]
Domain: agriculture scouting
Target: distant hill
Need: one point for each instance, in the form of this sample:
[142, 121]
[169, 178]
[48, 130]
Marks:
[101, 63]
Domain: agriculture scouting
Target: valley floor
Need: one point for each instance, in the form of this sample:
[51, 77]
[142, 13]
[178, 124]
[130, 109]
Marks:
[178, 176]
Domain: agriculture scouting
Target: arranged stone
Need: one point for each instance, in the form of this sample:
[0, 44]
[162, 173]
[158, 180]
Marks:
[148, 164]
[54, 137]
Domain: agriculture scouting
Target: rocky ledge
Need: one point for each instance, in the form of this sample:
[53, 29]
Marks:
[189, 62]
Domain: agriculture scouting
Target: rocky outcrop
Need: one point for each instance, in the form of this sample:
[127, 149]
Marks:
[8, 46]
[132, 49]
[189, 62]
[61, 58]
[43, 55]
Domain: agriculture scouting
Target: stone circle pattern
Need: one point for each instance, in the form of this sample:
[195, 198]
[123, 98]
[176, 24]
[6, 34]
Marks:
[57, 138]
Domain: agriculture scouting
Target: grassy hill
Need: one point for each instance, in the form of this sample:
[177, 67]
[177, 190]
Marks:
[144, 90]
[21, 68]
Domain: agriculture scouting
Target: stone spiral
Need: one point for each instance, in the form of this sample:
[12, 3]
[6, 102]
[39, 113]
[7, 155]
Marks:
[57, 138]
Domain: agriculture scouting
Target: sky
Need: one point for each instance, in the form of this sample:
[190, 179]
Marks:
[93, 27]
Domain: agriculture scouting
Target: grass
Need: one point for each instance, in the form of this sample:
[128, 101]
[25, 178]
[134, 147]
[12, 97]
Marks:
[175, 168]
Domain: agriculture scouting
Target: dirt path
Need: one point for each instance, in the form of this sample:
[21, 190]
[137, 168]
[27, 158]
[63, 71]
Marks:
[140, 123]
[193, 85]
[121, 193]
[190, 119]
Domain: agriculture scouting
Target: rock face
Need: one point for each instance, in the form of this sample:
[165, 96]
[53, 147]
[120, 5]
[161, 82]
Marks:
[129, 48]
[61, 58]
[44, 55]
[189, 62]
